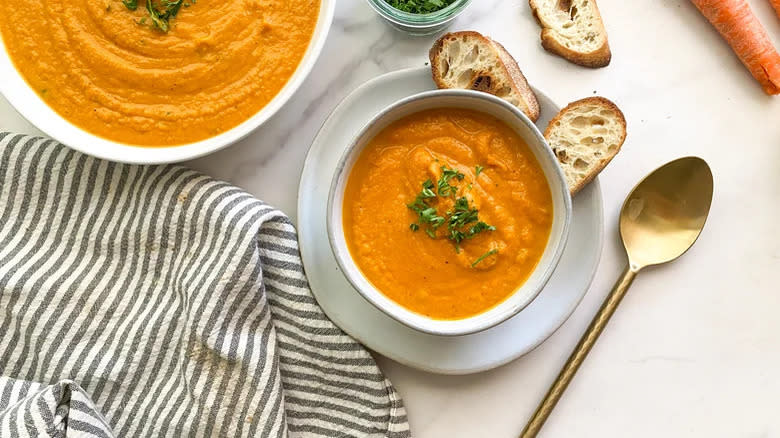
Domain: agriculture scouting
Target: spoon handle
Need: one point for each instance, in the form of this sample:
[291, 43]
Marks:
[580, 352]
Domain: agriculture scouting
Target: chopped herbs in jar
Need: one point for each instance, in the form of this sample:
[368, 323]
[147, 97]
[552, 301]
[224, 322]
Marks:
[419, 6]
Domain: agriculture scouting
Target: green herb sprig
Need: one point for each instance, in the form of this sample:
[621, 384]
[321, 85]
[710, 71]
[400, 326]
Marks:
[483, 257]
[462, 221]
[426, 215]
[459, 219]
[161, 13]
[445, 189]
[419, 6]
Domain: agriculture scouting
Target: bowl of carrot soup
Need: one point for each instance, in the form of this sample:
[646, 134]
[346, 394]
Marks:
[159, 80]
[449, 212]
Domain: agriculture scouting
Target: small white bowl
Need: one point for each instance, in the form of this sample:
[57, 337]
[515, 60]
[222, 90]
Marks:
[561, 198]
[29, 104]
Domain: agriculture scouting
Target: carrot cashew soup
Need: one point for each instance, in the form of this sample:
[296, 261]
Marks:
[157, 72]
[447, 212]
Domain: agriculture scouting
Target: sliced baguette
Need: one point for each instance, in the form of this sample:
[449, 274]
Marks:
[585, 136]
[574, 30]
[470, 60]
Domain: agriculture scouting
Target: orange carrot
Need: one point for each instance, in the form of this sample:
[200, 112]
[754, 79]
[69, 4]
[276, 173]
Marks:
[742, 30]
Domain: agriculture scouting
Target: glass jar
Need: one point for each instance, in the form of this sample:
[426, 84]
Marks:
[419, 24]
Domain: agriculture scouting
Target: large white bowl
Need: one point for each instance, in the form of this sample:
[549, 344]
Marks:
[561, 199]
[29, 104]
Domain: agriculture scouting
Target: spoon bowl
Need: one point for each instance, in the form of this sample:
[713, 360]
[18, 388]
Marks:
[665, 213]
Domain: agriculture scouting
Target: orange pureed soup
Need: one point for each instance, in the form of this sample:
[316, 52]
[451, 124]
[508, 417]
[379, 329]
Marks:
[447, 212]
[110, 71]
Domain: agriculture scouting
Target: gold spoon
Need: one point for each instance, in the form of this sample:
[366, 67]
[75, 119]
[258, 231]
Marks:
[661, 218]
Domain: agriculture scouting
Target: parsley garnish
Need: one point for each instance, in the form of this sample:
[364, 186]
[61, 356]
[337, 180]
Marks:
[462, 221]
[460, 217]
[419, 6]
[445, 189]
[479, 170]
[426, 215]
[160, 14]
[483, 257]
[427, 190]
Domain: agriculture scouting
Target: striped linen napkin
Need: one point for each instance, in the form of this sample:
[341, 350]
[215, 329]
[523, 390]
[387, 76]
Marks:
[156, 301]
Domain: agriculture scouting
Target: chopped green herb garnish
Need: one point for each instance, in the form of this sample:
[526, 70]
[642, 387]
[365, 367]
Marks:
[429, 216]
[427, 190]
[461, 216]
[479, 170]
[426, 215]
[158, 19]
[445, 189]
[419, 6]
[478, 228]
[462, 220]
[160, 14]
[483, 257]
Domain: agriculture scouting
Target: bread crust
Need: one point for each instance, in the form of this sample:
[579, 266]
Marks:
[519, 79]
[598, 58]
[507, 63]
[604, 103]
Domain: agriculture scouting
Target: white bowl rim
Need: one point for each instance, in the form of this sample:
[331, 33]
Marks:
[459, 327]
[29, 105]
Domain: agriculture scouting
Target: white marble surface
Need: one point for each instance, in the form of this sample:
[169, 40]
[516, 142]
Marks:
[694, 350]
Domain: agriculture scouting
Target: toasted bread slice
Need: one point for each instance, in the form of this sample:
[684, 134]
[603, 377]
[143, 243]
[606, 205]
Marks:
[574, 30]
[470, 60]
[585, 136]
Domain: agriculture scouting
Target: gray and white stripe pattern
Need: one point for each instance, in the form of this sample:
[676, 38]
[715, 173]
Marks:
[156, 301]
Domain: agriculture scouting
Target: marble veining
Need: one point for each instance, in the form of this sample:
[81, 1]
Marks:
[693, 350]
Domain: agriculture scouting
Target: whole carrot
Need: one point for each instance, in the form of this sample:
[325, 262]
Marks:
[742, 30]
